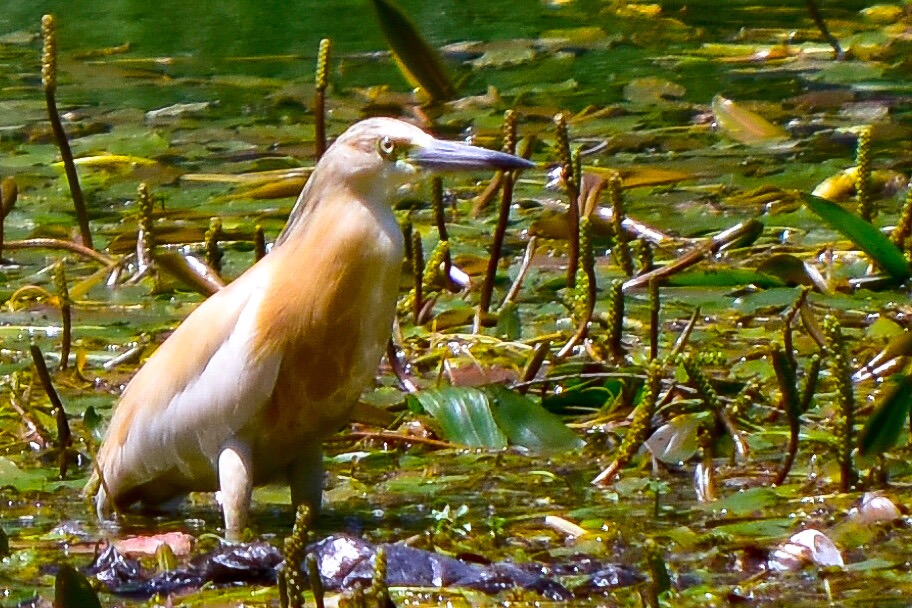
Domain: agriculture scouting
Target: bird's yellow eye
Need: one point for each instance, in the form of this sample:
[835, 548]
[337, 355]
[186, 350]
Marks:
[387, 147]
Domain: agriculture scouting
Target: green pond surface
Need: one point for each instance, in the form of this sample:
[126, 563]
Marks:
[194, 98]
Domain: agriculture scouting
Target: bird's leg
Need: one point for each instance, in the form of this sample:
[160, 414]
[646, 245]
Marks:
[235, 485]
[305, 476]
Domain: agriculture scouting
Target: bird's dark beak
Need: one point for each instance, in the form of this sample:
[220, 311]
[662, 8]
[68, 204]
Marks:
[442, 155]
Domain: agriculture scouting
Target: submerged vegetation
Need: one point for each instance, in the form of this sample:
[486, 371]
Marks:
[668, 365]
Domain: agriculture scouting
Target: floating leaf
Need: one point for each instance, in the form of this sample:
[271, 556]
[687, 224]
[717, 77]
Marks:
[528, 424]
[841, 187]
[418, 61]
[509, 325]
[110, 161]
[885, 426]
[793, 271]
[641, 176]
[652, 90]
[868, 238]
[723, 277]
[464, 416]
[744, 126]
[676, 441]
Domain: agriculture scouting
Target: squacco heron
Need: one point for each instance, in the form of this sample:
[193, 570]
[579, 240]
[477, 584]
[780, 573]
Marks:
[246, 389]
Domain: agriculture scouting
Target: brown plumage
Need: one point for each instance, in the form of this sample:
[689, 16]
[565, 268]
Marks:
[248, 386]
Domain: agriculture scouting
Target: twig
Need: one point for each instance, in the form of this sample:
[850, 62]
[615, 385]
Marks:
[521, 274]
[693, 256]
[76, 248]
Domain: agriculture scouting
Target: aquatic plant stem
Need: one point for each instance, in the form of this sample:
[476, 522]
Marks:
[214, 254]
[418, 276]
[824, 30]
[49, 82]
[64, 436]
[503, 216]
[259, 243]
[570, 183]
[320, 97]
[789, 402]
[9, 192]
[655, 307]
[66, 316]
[440, 220]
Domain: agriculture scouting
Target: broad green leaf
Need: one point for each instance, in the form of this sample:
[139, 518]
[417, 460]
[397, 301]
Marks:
[528, 424]
[418, 61]
[865, 236]
[464, 415]
[885, 426]
[72, 589]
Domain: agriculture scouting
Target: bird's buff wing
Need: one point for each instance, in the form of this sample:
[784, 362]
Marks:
[201, 388]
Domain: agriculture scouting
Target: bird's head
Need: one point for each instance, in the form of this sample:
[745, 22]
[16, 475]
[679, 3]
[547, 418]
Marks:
[375, 157]
[378, 155]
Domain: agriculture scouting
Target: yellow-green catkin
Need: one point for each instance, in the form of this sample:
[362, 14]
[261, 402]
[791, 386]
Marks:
[700, 382]
[321, 78]
[841, 373]
[583, 298]
[638, 431]
[295, 548]
[614, 317]
[378, 594]
[562, 148]
[744, 399]
[434, 277]
[49, 53]
[863, 175]
[642, 250]
[903, 229]
[621, 241]
[214, 253]
[145, 239]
